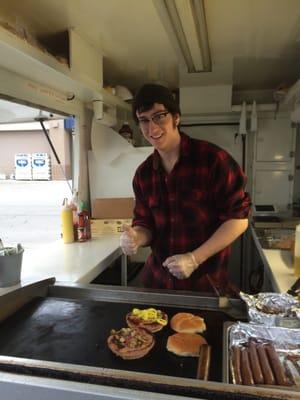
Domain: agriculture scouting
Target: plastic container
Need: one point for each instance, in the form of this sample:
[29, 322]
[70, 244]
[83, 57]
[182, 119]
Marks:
[297, 252]
[84, 223]
[10, 268]
[67, 223]
[81, 228]
[87, 218]
[74, 207]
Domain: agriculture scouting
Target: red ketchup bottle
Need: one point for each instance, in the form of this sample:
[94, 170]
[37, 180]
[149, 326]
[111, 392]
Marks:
[84, 223]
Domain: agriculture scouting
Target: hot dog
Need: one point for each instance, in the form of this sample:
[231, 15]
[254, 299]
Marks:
[276, 365]
[255, 365]
[236, 364]
[204, 362]
[265, 366]
[247, 376]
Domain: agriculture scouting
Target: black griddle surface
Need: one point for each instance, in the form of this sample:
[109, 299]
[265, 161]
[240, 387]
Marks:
[75, 331]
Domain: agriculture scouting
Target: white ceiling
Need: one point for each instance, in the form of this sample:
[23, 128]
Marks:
[254, 44]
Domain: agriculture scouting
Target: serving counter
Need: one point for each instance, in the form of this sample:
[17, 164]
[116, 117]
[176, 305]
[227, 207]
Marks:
[74, 262]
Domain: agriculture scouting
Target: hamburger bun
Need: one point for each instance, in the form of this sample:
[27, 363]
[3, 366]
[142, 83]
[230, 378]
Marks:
[187, 323]
[185, 344]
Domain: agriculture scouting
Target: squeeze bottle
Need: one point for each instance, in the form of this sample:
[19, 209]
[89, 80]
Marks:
[74, 206]
[297, 252]
[67, 223]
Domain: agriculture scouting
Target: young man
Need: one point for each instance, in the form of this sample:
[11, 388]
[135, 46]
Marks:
[190, 201]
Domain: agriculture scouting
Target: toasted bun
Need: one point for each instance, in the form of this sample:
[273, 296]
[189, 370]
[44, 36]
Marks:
[138, 343]
[185, 344]
[134, 322]
[187, 323]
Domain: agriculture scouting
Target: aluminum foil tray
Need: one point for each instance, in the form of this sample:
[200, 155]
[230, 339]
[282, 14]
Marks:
[273, 309]
[274, 348]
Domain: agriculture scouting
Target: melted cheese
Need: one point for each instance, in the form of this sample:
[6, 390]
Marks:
[150, 314]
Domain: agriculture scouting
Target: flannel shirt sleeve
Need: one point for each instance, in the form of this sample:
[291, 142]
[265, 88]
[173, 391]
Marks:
[142, 215]
[228, 184]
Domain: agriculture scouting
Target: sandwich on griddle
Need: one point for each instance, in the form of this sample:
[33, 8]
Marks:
[150, 319]
[130, 343]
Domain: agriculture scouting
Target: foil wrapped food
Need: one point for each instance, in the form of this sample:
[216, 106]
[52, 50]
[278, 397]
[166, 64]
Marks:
[264, 355]
[273, 309]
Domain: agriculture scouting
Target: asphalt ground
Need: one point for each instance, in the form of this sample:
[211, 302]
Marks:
[30, 211]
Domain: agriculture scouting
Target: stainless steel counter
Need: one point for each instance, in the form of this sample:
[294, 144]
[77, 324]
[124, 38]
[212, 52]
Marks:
[278, 265]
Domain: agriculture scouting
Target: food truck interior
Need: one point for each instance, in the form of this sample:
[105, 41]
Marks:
[71, 68]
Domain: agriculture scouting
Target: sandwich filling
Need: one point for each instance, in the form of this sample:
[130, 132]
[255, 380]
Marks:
[150, 319]
[130, 343]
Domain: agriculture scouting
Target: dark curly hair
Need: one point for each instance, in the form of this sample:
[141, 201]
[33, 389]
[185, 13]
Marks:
[151, 93]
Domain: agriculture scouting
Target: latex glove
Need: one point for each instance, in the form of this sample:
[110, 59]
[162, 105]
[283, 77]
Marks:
[128, 240]
[181, 265]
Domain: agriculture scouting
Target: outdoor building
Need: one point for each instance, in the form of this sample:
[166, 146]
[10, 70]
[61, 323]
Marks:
[29, 138]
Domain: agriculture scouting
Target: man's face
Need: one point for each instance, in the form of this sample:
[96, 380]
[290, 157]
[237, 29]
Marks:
[159, 127]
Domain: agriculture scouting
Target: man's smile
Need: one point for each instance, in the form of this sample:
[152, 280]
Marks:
[157, 136]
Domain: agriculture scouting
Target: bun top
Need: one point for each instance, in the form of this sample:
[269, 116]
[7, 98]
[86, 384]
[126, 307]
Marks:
[185, 344]
[187, 323]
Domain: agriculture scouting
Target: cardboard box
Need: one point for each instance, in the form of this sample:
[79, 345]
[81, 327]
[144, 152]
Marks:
[108, 226]
[115, 208]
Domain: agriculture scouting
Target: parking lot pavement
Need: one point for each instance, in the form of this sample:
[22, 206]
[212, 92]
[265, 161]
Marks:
[30, 211]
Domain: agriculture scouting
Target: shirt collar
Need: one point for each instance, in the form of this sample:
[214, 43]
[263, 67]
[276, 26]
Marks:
[185, 145]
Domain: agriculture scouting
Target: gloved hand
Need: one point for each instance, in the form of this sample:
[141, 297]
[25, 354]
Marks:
[128, 240]
[181, 265]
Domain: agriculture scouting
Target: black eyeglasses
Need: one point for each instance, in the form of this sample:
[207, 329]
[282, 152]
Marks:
[158, 119]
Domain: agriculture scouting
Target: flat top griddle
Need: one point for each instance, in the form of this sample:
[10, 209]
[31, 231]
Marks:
[75, 331]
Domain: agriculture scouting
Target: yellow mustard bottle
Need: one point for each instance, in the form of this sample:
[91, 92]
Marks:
[67, 222]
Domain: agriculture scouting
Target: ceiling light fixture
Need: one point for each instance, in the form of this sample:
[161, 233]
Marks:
[185, 23]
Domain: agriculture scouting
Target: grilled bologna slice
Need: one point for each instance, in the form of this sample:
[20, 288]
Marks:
[130, 343]
[134, 321]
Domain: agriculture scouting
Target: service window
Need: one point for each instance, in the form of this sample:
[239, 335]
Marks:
[36, 173]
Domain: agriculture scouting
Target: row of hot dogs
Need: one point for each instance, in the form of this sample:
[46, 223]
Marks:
[259, 363]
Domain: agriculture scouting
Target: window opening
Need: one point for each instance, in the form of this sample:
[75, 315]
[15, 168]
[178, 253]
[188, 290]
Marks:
[35, 175]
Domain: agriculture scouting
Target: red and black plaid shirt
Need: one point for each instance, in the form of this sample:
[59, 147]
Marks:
[184, 208]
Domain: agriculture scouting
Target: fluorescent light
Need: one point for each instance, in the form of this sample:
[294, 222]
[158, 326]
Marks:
[187, 24]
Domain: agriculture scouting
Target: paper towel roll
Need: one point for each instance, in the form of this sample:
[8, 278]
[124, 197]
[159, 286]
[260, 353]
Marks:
[104, 114]
[98, 109]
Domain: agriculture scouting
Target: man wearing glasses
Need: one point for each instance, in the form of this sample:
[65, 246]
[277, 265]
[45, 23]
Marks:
[190, 201]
